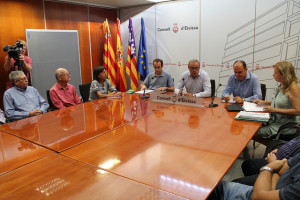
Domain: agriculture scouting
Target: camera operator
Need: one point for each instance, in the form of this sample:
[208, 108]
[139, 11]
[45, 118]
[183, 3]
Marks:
[24, 63]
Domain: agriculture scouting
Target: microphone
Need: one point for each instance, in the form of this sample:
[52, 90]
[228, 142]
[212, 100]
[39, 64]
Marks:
[211, 105]
[144, 95]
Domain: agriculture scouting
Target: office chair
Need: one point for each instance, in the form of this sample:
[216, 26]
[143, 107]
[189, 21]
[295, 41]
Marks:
[263, 91]
[213, 87]
[51, 106]
[85, 91]
[263, 94]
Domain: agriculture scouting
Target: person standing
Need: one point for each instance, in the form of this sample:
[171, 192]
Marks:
[24, 64]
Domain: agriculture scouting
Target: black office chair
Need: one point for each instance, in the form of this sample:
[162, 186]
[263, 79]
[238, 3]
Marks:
[263, 91]
[213, 87]
[51, 106]
[85, 91]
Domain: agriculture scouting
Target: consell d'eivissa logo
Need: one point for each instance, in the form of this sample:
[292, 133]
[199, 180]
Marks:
[176, 28]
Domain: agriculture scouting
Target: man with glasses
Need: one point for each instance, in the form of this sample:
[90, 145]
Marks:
[63, 94]
[243, 84]
[196, 81]
[21, 100]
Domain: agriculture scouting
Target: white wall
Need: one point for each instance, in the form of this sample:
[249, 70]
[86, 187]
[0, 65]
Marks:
[223, 31]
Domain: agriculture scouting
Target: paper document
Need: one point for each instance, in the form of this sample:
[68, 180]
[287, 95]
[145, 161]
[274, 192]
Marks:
[230, 101]
[251, 107]
[252, 116]
[142, 91]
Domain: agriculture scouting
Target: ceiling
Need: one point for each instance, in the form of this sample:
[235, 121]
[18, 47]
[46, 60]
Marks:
[112, 3]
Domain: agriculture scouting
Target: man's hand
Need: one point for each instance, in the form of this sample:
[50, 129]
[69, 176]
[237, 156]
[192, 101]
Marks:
[277, 164]
[35, 113]
[162, 89]
[271, 156]
[188, 95]
[226, 98]
[238, 99]
[143, 87]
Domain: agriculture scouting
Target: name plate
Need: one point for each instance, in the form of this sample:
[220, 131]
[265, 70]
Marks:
[181, 100]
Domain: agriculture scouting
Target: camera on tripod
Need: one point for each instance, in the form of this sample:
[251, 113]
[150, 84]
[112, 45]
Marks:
[14, 52]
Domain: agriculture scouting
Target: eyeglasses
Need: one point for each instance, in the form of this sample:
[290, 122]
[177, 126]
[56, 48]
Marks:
[194, 68]
[22, 79]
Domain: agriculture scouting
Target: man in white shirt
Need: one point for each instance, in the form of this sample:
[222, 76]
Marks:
[196, 81]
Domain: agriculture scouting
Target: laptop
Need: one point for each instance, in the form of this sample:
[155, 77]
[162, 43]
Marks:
[234, 108]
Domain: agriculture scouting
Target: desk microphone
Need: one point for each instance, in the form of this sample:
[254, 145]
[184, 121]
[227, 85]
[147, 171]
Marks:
[144, 95]
[211, 105]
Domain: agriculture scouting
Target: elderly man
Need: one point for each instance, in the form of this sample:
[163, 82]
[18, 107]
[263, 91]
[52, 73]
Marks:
[63, 94]
[196, 81]
[158, 80]
[243, 84]
[22, 101]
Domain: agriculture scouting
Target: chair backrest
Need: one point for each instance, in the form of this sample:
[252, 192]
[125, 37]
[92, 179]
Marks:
[213, 87]
[85, 91]
[263, 91]
[51, 106]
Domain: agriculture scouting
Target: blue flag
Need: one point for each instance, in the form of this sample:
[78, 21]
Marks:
[142, 56]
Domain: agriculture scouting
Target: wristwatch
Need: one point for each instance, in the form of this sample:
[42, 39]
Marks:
[266, 168]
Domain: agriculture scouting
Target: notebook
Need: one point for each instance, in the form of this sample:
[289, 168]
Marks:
[234, 108]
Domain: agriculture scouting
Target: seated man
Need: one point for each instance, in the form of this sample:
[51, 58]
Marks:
[62, 94]
[196, 81]
[280, 179]
[251, 167]
[21, 100]
[158, 80]
[243, 84]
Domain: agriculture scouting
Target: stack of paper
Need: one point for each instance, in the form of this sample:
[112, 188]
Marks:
[252, 116]
[252, 107]
[142, 91]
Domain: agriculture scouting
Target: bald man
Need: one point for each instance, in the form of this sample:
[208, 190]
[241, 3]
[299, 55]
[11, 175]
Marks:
[63, 94]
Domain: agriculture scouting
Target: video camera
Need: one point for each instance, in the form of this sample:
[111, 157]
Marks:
[14, 52]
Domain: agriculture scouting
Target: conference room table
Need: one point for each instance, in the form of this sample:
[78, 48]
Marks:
[181, 150]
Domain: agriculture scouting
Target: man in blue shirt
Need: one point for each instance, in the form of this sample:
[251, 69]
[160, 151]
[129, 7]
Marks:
[158, 80]
[243, 84]
[22, 101]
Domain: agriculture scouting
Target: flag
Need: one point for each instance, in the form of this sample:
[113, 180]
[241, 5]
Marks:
[109, 56]
[143, 58]
[121, 71]
[131, 69]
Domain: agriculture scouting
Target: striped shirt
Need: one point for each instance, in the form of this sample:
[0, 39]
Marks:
[289, 149]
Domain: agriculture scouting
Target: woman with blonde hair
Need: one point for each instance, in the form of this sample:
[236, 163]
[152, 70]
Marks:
[22, 63]
[285, 105]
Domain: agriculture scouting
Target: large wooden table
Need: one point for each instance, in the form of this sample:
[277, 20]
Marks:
[178, 149]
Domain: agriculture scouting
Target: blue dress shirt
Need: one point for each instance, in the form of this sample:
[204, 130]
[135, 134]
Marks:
[249, 89]
[19, 102]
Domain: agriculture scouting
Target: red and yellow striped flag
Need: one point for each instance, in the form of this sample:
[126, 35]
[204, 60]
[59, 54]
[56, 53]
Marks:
[131, 69]
[121, 71]
[109, 56]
